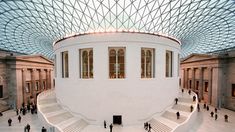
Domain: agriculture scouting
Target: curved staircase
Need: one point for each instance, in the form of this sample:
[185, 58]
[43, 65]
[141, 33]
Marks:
[57, 116]
[168, 122]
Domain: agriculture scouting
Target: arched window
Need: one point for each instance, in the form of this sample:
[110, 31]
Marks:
[147, 63]
[86, 63]
[116, 62]
[169, 60]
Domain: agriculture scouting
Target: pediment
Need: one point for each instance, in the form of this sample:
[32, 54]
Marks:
[34, 58]
[197, 57]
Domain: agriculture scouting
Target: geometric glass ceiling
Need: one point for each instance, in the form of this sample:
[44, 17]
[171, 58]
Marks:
[31, 26]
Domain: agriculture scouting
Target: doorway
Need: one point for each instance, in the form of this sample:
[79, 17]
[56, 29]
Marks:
[117, 119]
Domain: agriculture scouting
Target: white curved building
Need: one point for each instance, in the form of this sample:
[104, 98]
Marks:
[120, 77]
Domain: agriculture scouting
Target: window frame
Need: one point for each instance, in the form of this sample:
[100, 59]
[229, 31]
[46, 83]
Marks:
[144, 64]
[169, 64]
[64, 67]
[120, 63]
[89, 67]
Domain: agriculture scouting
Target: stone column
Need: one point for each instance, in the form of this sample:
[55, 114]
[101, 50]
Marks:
[32, 81]
[200, 83]
[183, 78]
[40, 80]
[23, 85]
[186, 78]
[47, 79]
[193, 79]
[209, 84]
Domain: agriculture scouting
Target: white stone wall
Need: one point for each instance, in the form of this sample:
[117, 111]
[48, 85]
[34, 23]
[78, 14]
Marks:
[133, 97]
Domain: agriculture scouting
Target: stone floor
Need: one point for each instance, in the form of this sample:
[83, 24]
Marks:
[204, 123]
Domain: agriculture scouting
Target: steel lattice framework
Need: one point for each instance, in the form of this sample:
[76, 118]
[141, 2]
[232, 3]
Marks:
[31, 26]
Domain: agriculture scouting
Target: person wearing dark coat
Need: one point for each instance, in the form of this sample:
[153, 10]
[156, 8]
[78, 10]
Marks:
[9, 121]
[215, 110]
[111, 127]
[104, 124]
[194, 98]
[216, 116]
[28, 127]
[226, 118]
[150, 127]
[207, 107]
[17, 112]
[178, 115]
[204, 106]
[176, 100]
[189, 92]
[212, 113]
[44, 129]
[198, 107]
[19, 118]
[191, 108]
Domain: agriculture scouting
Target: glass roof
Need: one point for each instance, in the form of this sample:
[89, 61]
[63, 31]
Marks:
[31, 26]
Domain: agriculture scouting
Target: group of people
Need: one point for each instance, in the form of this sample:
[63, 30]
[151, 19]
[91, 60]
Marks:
[213, 114]
[110, 126]
[27, 108]
[23, 110]
[147, 126]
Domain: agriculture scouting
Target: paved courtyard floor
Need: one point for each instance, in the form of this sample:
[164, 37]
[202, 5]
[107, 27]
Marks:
[204, 123]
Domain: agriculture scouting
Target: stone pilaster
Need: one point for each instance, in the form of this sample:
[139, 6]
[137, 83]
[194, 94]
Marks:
[200, 83]
[193, 78]
[23, 85]
[209, 84]
[40, 80]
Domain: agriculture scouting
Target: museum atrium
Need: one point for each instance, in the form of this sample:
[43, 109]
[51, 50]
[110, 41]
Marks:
[124, 62]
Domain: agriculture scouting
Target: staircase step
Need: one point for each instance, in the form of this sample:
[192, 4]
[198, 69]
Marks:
[76, 126]
[172, 116]
[59, 118]
[157, 126]
[167, 122]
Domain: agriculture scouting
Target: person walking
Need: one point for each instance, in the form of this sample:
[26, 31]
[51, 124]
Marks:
[176, 100]
[17, 111]
[28, 127]
[191, 108]
[189, 92]
[215, 110]
[146, 126]
[150, 127]
[204, 106]
[198, 107]
[194, 98]
[111, 127]
[226, 118]
[9, 121]
[207, 108]
[212, 113]
[19, 118]
[178, 115]
[104, 124]
[216, 116]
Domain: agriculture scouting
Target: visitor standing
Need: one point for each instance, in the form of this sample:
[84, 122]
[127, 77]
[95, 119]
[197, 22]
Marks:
[176, 100]
[9, 121]
[19, 118]
[111, 127]
[104, 124]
